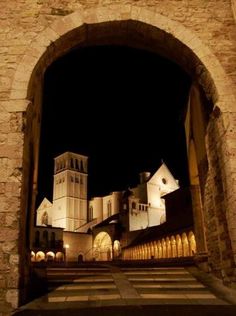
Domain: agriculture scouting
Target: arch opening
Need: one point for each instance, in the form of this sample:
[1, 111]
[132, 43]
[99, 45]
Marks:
[102, 247]
[142, 35]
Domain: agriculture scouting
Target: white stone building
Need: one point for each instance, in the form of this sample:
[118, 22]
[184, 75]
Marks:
[71, 210]
[69, 206]
[146, 205]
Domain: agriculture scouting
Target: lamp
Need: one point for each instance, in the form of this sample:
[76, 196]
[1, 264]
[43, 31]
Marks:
[66, 246]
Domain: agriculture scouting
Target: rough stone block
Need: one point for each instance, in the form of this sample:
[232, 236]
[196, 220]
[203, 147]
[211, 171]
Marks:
[2, 187]
[8, 246]
[14, 259]
[8, 234]
[2, 283]
[12, 189]
[12, 297]
[3, 166]
[11, 220]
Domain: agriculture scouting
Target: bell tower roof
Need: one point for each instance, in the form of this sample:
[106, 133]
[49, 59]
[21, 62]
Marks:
[71, 161]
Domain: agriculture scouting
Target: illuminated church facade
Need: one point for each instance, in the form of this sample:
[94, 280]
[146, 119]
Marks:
[83, 225]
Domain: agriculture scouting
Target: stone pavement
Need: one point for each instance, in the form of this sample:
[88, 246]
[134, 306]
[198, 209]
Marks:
[130, 290]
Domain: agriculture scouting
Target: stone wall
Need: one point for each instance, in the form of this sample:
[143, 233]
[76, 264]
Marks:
[77, 246]
[215, 205]
[194, 22]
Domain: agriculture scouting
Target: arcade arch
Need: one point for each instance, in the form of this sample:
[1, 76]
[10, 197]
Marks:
[102, 247]
[174, 246]
[116, 249]
[40, 256]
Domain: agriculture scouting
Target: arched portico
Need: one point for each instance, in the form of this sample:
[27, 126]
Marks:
[141, 28]
[102, 247]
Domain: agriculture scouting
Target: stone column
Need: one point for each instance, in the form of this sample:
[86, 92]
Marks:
[201, 255]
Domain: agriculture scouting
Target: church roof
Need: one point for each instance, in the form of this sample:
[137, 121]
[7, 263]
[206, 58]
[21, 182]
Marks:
[108, 220]
[70, 153]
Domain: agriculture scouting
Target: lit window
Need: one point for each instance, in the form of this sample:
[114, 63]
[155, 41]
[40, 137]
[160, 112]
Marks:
[90, 213]
[109, 208]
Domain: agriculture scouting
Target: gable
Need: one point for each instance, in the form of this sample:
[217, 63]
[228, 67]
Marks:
[44, 204]
[164, 179]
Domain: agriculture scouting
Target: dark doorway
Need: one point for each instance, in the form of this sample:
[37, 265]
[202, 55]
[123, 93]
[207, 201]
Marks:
[80, 258]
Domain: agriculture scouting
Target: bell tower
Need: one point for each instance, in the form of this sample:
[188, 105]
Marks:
[70, 191]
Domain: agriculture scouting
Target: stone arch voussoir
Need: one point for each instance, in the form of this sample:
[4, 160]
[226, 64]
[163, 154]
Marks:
[211, 71]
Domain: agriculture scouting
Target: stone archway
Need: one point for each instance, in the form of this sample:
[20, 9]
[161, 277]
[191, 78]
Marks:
[102, 247]
[116, 249]
[80, 258]
[138, 27]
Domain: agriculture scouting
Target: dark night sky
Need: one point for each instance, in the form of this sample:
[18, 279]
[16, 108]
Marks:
[120, 106]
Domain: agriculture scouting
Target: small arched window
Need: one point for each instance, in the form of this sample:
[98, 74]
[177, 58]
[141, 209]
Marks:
[81, 166]
[133, 205]
[109, 208]
[44, 220]
[71, 163]
[76, 164]
[90, 213]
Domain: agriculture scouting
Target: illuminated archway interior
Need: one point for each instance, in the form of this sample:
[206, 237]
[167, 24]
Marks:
[102, 247]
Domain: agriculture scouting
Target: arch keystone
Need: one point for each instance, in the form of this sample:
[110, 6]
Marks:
[64, 25]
